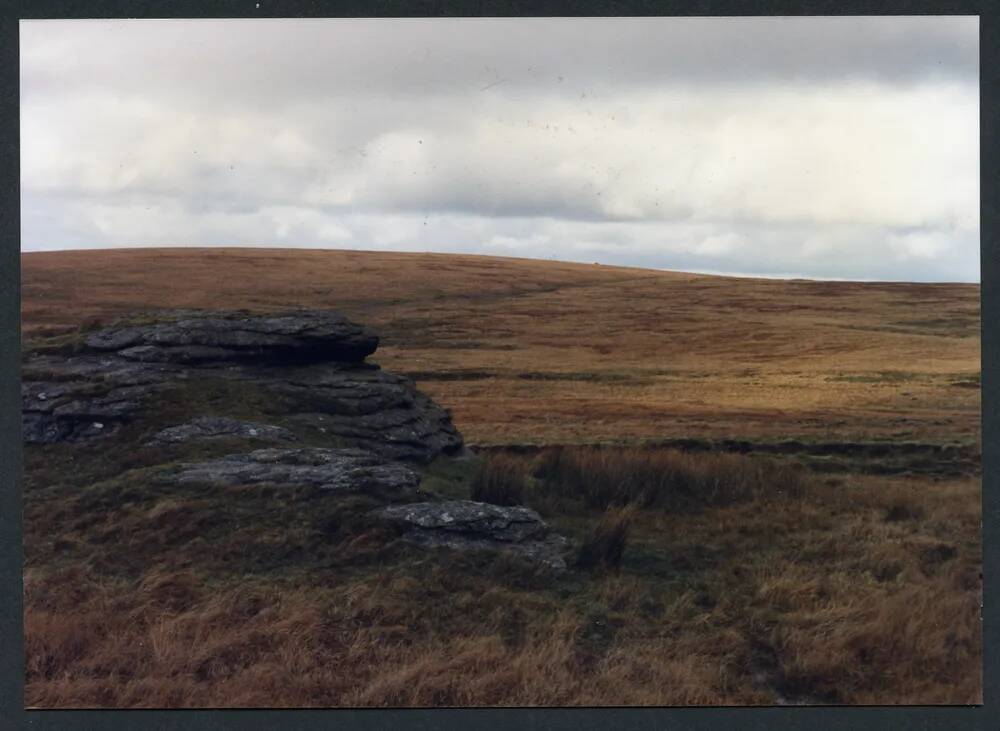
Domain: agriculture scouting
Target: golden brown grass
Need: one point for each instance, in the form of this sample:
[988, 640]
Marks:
[605, 545]
[551, 352]
[665, 478]
[499, 480]
[741, 580]
[816, 599]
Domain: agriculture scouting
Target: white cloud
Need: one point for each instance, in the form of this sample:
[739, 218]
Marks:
[261, 136]
[920, 245]
[719, 245]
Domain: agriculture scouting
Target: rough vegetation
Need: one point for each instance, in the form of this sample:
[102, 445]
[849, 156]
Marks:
[667, 479]
[499, 480]
[606, 545]
[726, 521]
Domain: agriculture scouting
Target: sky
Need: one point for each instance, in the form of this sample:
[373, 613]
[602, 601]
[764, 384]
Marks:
[844, 148]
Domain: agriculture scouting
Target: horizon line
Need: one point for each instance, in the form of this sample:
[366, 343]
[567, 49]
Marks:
[783, 276]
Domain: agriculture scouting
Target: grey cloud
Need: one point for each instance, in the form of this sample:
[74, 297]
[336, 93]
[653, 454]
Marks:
[265, 62]
[832, 147]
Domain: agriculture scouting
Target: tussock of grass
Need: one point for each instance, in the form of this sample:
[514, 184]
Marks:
[500, 480]
[606, 544]
[664, 478]
[903, 509]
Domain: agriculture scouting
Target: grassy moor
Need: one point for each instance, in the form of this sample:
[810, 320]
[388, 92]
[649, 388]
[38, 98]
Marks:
[534, 352]
[770, 491]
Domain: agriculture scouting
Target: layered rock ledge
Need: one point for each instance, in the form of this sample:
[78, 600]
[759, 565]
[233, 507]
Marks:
[301, 387]
[337, 470]
[218, 427]
[310, 365]
[300, 337]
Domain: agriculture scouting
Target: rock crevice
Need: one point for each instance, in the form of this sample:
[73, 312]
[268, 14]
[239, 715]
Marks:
[217, 427]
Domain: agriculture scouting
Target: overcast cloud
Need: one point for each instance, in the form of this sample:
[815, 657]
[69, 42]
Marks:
[819, 147]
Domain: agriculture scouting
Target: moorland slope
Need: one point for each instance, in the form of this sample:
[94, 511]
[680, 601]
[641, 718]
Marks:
[838, 561]
[541, 352]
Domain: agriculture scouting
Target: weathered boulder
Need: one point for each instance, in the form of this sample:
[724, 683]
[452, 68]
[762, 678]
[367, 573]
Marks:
[300, 336]
[338, 470]
[309, 363]
[468, 525]
[368, 408]
[79, 399]
[215, 427]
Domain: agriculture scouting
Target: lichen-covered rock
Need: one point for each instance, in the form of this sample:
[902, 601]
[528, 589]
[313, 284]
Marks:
[80, 401]
[309, 363]
[314, 335]
[509, 524]
[338, 470]
[215, 427]
[369, 408]
[468, 525]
